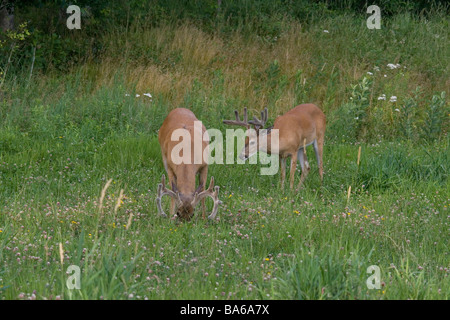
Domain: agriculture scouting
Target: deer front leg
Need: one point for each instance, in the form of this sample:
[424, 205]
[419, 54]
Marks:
[203, 175]
[283, 171]
[318, 148]
[172, 182]
[293, 167]
[304, 164]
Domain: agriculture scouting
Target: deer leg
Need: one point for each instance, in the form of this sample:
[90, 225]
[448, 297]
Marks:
[283, 171]
[293, 167]
[318, 149]
[172, 182]
[304, 164]
[203, 175]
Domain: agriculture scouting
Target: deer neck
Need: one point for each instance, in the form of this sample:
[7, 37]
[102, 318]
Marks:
[186, 182]
[265, 144]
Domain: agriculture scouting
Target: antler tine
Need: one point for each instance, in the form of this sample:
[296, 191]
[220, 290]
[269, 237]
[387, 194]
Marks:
[162, 191]
[236, 114]
[264, 117]
[257, 123]
[217, 202]
[199, 196]
[214, 195]
[211, 184]
[260, 123]
[238, 121]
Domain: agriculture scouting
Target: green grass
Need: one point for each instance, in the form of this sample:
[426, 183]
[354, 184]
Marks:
[62, 136]
[267, 243]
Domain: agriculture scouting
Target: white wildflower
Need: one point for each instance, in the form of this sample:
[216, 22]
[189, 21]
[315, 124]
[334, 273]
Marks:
[393, 99]
[393, 66]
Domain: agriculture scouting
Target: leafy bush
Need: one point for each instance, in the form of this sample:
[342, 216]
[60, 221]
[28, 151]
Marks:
[436, 115]
[408, 114]
[347, 122]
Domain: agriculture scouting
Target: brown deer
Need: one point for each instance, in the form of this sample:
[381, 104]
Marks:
[298, 128]
[182, 175]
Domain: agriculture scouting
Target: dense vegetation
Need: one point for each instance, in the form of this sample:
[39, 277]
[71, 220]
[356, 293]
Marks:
[71, 118]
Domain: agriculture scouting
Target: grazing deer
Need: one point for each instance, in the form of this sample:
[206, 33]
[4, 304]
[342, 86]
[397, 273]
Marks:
[298, 128]
[182, 175]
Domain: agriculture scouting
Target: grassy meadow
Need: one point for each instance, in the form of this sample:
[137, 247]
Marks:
[65, 133]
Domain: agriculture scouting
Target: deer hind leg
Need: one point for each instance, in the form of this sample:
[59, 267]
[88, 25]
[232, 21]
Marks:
[283, 171]
[301, 154]
[318, 149]
[293, 167]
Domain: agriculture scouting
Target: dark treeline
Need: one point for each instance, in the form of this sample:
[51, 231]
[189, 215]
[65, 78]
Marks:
[36, 31]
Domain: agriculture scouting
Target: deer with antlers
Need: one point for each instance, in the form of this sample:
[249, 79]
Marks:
[182, 176]
[298, 128]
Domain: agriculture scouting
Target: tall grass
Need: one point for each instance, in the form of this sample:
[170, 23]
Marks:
[303, 63]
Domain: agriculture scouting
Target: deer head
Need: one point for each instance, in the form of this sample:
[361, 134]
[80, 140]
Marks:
[252, 140]
[186, 203]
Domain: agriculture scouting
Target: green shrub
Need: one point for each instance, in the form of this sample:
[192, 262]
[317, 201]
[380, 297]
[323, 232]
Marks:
[436, 115]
